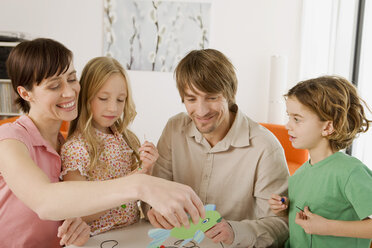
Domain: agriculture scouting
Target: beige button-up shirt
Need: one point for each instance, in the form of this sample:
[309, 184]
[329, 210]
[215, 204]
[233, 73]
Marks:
[238, 175]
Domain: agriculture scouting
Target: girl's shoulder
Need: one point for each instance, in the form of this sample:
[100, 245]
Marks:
[77, 141]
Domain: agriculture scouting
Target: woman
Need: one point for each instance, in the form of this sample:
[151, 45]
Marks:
[31, 198]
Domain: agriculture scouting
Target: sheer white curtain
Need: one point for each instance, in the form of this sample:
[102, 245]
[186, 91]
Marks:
[327, 37]
[363, 145]
[328, 43]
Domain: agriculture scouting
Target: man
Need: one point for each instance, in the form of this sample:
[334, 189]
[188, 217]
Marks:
[228, 159]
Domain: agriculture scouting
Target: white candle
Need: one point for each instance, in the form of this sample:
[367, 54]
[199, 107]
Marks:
[278, 85]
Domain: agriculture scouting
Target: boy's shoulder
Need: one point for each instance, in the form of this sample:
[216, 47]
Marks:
[345, 161]
[344, 167]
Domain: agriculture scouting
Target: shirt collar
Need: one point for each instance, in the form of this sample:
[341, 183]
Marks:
[35, 136]
[237, 136]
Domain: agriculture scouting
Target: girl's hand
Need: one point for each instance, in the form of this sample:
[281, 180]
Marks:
[312, 223]
[279, 205]
[73, 231]
[148, 155]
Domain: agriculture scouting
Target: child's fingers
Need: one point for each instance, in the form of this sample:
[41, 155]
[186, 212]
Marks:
[148, 157]
[274, 202]
[62, 229]
[70, 231]
[307, 212]
[278, 207]
[147, 144]
[278, 202]
[151, 150]
[276, 197]
[79, 230]
[83, 237]
[282, 199]
[302, 215]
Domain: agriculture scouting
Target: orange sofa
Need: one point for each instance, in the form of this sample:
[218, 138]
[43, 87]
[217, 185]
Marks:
[295, 157]
[64, 127]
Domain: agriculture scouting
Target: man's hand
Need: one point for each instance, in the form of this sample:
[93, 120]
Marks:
[221, 232]
[73, 232]
[312, 223]
[157, 220]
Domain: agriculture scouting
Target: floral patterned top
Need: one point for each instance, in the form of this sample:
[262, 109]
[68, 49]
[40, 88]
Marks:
[117, 158]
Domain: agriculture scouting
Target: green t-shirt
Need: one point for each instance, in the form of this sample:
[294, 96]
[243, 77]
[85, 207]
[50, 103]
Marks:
[338, 188]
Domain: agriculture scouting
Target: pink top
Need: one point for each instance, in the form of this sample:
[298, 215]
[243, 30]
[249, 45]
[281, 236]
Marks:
[20, 226]
[115, 161]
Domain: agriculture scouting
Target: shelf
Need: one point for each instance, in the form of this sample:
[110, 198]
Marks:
[10, 114]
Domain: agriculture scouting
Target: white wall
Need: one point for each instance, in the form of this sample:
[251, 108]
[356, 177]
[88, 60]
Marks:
[76, 24]
[249, 32]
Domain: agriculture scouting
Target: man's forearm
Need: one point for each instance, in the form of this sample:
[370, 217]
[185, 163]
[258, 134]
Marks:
[269, 231]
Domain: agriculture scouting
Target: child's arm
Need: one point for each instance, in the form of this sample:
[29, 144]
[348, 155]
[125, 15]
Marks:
[279, 205]
[76, 176]
[315, 224]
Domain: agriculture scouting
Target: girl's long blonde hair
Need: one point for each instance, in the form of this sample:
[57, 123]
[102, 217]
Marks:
[94, 76]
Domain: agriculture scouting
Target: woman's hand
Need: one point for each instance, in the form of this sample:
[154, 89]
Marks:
[148, 155]
[73, 232]
[279, 205]
[172, 200]
[157, 220]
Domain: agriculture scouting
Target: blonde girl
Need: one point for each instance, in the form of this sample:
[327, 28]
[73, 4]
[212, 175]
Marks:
[330, 195]
[100, 145]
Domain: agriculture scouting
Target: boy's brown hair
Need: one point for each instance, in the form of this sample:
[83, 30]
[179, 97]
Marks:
[209, 71]
[30, 62]
[333, 98]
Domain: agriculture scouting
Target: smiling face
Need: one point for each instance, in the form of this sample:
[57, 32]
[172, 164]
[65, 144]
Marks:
[209, 112]
[108, 104]
[55, 97]
[304, 127]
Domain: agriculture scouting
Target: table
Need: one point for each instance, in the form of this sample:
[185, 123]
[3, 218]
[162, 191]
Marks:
[135, 236]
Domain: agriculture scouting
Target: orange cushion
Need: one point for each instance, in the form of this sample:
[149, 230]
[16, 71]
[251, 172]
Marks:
[11, 119]
[295, 157]
[64, 127]
[292, 167]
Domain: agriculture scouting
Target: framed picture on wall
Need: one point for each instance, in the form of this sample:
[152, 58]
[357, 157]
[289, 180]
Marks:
[154, 35]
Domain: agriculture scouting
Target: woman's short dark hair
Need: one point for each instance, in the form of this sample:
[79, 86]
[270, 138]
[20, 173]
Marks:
[30, 62]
